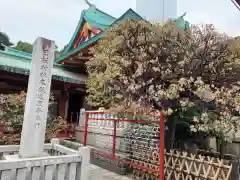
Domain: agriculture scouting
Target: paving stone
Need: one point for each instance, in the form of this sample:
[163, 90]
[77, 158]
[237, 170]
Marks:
[98, 173]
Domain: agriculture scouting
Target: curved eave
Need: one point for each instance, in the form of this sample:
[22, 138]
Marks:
[89, 16]
[129, 14]
[75, 33]
[17, 53]
[21, 65]
[76, 50]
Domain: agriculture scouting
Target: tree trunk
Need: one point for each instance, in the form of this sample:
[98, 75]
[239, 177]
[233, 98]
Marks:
[170, 138]
[171, 124]
[221, 145]
[222, 148]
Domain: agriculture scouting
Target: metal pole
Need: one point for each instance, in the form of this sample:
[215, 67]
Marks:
[162, 148]
[163, 10]
[85, 130]
[114, 137]
[77, 121]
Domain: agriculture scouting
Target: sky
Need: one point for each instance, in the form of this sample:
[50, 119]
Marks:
[57, 19]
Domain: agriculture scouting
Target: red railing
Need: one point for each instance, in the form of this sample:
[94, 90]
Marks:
[112, 152]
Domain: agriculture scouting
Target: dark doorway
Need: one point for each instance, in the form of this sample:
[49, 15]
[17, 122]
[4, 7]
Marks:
[75, 104]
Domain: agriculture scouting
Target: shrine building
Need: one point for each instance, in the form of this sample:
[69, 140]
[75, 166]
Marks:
[69, 72]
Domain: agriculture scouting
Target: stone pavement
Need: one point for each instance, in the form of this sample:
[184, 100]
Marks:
[98, 173]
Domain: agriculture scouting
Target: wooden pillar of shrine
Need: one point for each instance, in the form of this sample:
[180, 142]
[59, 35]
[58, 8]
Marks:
[63, 102]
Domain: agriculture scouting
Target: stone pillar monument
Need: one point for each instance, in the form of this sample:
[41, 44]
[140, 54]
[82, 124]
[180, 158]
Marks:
[36, 108]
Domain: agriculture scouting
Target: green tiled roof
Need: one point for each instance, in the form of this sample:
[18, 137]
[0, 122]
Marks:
[18, 53]
[98, 19]
[94, 17]
[19, 62]
[101, 20]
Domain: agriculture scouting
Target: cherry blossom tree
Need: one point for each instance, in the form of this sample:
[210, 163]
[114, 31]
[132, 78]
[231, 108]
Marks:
[165, 68]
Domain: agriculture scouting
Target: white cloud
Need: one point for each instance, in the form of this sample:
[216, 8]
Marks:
[27, 19]
[222, 13]
[54, 19]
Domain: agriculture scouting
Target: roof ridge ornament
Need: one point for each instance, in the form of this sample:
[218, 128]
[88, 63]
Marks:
[182, 16]
[4, 46]
[91, 6]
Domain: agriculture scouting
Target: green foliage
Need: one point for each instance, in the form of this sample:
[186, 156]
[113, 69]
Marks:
[11, 116]
[168, 69]
[55, 127]
[27, 47]
[4, 39]
[57, 52]
[12, 108]
[24, 46]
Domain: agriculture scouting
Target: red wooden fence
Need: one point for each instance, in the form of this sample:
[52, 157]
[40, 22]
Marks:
[112, 154]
